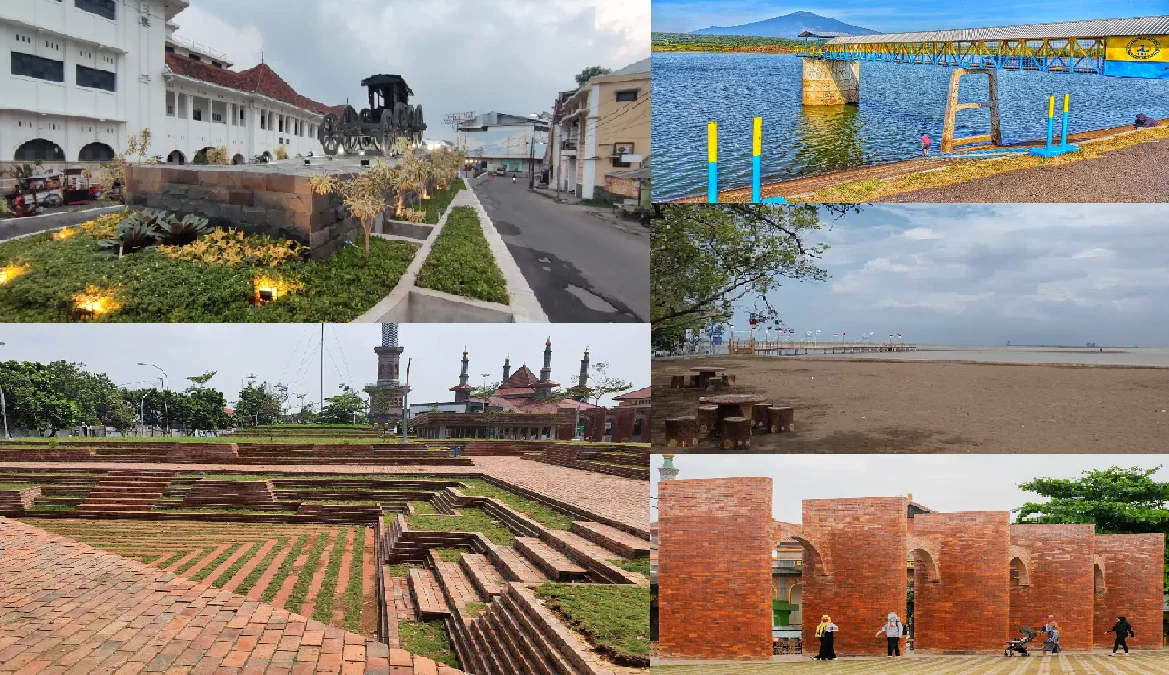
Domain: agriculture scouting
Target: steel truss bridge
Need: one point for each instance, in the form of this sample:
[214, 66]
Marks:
[1066, 47]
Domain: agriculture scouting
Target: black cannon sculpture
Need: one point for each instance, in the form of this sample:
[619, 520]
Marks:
[375, 129]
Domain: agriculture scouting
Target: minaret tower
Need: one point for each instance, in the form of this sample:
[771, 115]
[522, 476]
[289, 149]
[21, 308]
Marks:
[581, 390]
[463, 391]
[386, 396]
[667, 471]
[506, 369]
[545, 386]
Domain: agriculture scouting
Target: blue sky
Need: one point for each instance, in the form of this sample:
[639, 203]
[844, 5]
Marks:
[687, 15]
[984, 274]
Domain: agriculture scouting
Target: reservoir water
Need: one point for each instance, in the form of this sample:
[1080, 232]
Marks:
[898, 103]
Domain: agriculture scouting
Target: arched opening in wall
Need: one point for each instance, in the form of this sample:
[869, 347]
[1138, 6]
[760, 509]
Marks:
[201, 156]
[1020, 575]
[96, 152]
[924, 561]
[39, 150]
[1098, 585]
[239, 159]
[813, 561]
[795, 596]
[176, 157]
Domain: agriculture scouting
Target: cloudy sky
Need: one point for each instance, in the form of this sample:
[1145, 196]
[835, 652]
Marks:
[291, 353]
[987, 274]
[510, 56]
[688, 15]
[940, 482]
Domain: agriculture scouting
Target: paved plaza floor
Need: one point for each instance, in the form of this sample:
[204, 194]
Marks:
[1143, 662]
[66, 607]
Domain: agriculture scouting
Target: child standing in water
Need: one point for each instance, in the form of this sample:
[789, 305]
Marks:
[925, 145]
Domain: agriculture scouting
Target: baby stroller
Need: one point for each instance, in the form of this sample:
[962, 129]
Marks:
[1019, 646]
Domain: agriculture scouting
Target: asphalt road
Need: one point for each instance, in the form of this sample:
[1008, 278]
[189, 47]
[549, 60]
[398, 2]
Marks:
[582, 269]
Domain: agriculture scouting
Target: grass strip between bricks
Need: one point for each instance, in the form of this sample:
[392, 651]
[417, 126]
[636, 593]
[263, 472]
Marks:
[546, 516]
[614, 618]
[323, 607]
[305, 576]
[353, 592]
[636, 565]
[284, 570]
[193, 561]
[430, 639]
[461, 262]
[258, 571]
[214, 564]
[401, 570]
[154, 288]
[221, 580]
[178, 555]
[469, 520]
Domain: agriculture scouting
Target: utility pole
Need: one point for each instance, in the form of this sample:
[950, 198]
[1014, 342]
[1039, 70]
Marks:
[322, 366]
[532, 160]
[4, 409]
[405, 405]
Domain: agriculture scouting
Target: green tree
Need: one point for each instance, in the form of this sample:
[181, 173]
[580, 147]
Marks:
[261, 403]
[200, 380]
[204, 409]
[705, 258]
[1115, 500]
[603, 384]
[344, 408]
[589, 73]
[484, 393]
[59, 395]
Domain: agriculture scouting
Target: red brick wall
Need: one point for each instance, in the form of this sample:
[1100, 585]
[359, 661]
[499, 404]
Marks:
[594, 424]
[863, 541]
[714, 568]
[1061, 582]
[622, 418]
[964, 611]
[1133, 573]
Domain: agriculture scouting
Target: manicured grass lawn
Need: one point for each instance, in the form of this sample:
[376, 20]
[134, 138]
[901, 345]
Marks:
[470, 520]
[544, 515]
[461, 262]
[155, 288]
[429, 639]
[614, 618]
[16, 486]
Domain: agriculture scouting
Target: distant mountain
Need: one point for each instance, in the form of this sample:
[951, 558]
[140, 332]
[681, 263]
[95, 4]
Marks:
[787, 26]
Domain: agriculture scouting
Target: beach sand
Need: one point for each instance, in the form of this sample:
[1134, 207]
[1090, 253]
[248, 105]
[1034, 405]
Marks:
[929, 406]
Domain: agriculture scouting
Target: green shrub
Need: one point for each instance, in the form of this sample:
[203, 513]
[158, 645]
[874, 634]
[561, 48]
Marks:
[461, 261]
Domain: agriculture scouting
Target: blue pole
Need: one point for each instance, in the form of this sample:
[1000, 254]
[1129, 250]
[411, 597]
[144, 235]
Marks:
[1050, 119]
[712, 162]
[1064, 141]
[756, 159]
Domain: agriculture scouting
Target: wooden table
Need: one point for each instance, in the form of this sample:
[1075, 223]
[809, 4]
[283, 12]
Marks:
[706, 374]
[736, 405]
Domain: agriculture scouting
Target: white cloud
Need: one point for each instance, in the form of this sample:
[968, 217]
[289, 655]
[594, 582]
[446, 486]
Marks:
[243, 45]
[921, 234]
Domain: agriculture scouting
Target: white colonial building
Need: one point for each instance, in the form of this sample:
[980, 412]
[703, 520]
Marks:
[82, 76]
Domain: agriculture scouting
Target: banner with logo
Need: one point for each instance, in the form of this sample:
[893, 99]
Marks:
[1145, 56]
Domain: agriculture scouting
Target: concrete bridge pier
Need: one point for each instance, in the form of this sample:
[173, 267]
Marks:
[831, 82]
[995, 137]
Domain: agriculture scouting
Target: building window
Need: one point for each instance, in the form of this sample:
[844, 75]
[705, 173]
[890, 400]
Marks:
[216, 117]
[102, 8]
[195, 57]
[627, 95]
[96, 79]
[29, 65]
[263, 123]
[280, 124]
[242, 123]
[197, 115]
[170, 104]
[217, 64]
[170, 49]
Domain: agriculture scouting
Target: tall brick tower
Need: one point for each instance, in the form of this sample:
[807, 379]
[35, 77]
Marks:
[506, 368]
[385, 397]
[463, 391]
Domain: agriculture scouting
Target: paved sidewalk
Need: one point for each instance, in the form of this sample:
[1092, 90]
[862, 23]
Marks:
[1144, 662]
[66, 607]
[622, 499]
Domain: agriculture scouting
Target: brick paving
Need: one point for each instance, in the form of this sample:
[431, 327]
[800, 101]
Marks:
[66, 607]
[622, 499]
[1099, 663]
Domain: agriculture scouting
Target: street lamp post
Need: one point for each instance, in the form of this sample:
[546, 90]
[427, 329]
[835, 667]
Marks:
[142, 409]
[165, 393]
[405, 405]
[4, 409]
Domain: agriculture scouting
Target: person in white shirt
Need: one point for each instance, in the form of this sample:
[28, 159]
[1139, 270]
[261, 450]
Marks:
[893, 630]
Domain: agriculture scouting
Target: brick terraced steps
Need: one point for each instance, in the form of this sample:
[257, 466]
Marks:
[627, 545]
[126, 491]
[551, 562]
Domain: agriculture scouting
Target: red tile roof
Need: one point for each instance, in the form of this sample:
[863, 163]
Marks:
[640, 393]
[255, 80]
[520, 379]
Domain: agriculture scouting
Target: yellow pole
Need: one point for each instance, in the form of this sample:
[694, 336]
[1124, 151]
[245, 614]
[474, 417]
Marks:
[712, 162]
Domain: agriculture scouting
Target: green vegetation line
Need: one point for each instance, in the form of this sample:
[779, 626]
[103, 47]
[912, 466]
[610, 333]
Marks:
[353, 592]
[284, 570]
[305, 576]
[613, 617]
[323, 607]
[430, 639]
[461, 261]
[258, 571]
[214, 564]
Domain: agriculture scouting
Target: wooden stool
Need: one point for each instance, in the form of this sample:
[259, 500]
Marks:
[707, 420]
[736, 433]
[780, 419]
[677, 381]
[761, 418]
[728, 379]
[681, 432]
